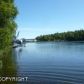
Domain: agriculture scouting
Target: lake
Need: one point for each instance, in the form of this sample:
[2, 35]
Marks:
[51, 62]
[46, 63]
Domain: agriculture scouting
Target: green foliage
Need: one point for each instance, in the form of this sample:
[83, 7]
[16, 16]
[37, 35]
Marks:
[5, 38]
[8, 1]
[8, 12]
[66, 36]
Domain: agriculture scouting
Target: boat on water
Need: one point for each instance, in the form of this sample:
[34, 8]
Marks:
[17, 43]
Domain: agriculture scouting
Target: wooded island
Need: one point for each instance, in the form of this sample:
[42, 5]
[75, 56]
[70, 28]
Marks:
[77, 35]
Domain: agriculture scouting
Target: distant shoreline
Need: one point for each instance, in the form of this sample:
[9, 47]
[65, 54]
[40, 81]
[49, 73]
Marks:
[62, 41]
[77, 35]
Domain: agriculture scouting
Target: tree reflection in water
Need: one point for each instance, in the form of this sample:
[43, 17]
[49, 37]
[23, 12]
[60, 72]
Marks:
[8, 66]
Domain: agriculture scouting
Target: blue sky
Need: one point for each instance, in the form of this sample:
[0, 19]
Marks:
[38, 17]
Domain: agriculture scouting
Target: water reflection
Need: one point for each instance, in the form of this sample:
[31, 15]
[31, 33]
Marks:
[45, 63]
[18, 53]
[0, 64]
[52, 62]
[8, 66]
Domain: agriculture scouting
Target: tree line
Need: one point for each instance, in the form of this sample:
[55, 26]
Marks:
[8, 12]
[77, 35]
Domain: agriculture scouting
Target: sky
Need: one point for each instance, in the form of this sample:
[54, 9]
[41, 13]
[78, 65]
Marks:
[41, 17]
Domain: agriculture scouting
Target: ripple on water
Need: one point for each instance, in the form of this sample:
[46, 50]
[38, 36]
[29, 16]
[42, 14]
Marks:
[63, 75]
[53, 63]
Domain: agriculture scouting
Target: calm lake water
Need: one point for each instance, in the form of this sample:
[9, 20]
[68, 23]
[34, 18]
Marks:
[51, 62]
[46, 63]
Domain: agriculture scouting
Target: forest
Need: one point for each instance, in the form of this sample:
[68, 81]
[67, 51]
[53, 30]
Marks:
[77, 35]
[8, 12]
